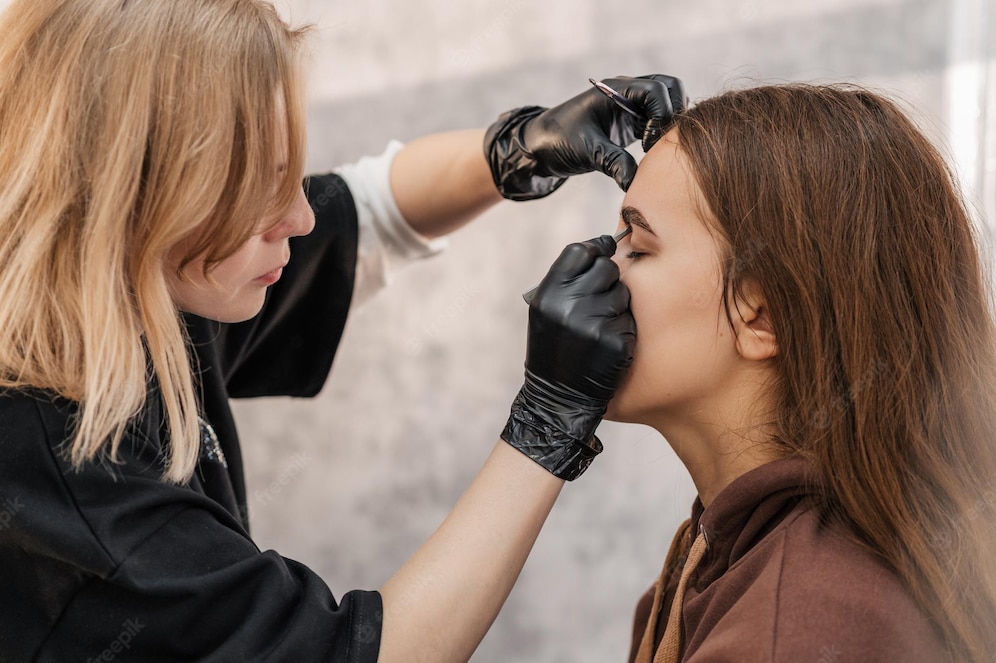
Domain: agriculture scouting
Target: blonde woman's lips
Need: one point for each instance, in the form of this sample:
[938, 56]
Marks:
[271, 277]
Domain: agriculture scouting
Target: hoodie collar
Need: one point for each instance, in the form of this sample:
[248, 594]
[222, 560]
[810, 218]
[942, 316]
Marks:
[746, 510]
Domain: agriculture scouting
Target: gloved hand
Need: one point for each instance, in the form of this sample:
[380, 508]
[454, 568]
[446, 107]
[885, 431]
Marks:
[579, 346]
[533, 150]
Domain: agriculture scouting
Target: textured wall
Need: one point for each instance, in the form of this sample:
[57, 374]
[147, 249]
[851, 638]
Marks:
[352, 482]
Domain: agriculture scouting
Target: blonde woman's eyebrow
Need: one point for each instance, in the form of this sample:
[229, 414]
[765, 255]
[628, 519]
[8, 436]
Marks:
[634, 217]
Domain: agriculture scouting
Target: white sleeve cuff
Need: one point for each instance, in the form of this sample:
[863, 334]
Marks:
[386, 241]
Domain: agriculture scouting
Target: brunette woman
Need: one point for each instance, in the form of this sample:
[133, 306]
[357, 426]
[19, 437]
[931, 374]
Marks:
[816, 343]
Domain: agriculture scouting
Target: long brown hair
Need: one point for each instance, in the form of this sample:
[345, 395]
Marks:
[127, 127]
[834, 203]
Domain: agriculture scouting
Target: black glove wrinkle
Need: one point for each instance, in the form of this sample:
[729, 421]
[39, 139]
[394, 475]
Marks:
[580, 345]
[532, 150]
[513, 167]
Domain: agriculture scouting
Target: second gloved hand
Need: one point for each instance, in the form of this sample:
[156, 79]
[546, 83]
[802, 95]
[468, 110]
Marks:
[533, 150]
[580, 345]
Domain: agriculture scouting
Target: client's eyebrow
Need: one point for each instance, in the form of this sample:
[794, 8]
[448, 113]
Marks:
[634, 217]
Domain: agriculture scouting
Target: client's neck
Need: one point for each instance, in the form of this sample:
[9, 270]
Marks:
[719, 441]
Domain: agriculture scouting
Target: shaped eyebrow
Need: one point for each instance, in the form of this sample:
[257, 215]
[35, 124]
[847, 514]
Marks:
[634, 217]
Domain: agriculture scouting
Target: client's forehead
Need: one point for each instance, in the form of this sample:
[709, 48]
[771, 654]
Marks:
[664, 187]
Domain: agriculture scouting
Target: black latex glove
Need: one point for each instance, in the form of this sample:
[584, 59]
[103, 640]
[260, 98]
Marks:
[580, 344]
[533, 150]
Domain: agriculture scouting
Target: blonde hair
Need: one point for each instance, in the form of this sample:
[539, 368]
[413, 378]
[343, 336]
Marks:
[127, 126]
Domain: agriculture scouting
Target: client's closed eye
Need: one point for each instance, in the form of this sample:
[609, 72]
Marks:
[633, 255]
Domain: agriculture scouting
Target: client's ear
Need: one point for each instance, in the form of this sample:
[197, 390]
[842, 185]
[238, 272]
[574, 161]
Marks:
[752, 325]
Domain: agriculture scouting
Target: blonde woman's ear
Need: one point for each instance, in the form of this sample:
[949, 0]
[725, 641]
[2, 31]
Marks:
[752, 326]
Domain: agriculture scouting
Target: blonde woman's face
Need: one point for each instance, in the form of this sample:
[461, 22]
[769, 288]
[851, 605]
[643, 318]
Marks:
[671, 265]
[237, 287]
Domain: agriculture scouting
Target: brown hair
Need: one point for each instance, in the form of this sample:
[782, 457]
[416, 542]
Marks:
[847, 218]
[126, 128]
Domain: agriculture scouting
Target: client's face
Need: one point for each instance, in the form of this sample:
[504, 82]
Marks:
[670, 263]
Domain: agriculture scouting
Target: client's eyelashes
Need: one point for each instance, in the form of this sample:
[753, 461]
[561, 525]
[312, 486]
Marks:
[634, 255]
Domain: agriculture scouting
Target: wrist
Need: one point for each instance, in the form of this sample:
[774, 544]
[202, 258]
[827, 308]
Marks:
[555, 427]
[514, 169]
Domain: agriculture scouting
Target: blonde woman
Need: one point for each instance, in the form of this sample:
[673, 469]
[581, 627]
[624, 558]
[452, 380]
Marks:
[816, 343]
[159, 256]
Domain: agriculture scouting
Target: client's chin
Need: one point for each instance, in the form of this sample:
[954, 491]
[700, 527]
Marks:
[617, 411]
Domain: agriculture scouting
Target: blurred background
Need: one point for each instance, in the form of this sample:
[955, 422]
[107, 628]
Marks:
[353, 482]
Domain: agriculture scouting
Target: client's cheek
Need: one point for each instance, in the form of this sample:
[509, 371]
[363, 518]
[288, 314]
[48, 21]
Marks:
[619, 405]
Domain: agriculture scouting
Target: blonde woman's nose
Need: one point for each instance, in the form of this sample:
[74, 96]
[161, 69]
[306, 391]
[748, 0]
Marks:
[299, 220]
[304, 215]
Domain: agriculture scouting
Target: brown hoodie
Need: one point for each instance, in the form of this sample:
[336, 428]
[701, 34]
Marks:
[776, 585]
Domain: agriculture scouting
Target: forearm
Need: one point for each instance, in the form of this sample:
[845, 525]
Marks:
[442, 181]
[444, 599]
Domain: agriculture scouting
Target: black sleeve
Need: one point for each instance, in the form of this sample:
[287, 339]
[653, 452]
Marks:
[288, 348]
[111, 563]
[194, 590]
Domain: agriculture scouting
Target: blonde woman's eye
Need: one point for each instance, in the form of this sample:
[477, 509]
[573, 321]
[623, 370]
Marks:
[633, 255]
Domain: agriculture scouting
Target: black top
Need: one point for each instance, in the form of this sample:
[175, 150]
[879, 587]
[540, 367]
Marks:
[111, 563]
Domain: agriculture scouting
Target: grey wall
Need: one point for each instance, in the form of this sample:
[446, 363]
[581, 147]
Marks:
[352, 482]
